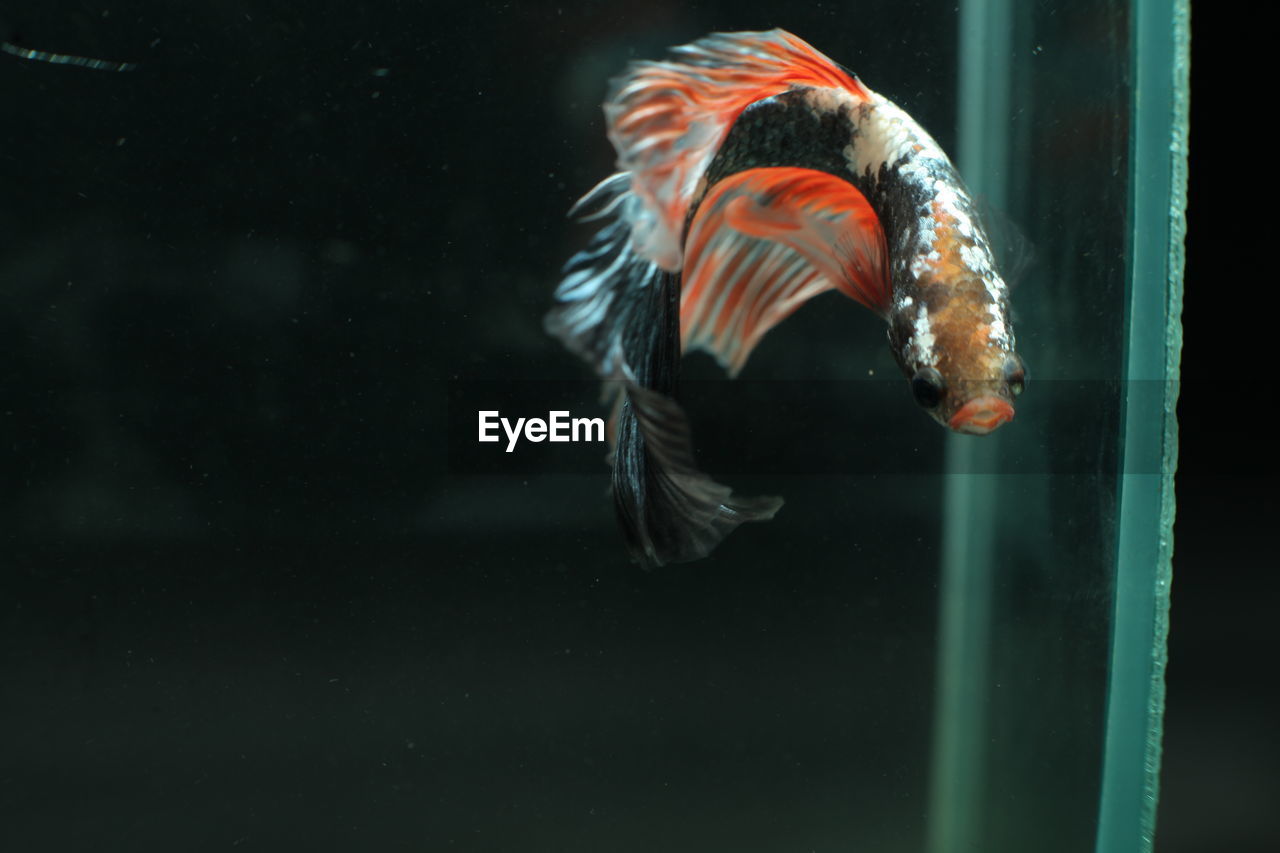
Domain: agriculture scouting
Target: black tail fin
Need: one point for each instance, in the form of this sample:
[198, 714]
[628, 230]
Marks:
[621, 312]
[668, 509]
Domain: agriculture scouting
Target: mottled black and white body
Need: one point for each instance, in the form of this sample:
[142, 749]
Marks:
[755, 174]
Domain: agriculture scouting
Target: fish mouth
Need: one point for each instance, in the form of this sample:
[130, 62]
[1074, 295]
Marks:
[981, 415]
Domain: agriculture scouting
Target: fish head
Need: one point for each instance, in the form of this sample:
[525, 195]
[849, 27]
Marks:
[959, 360]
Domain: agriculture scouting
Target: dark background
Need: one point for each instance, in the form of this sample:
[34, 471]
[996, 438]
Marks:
[247, 595]
[1220, 786]
[249, 600]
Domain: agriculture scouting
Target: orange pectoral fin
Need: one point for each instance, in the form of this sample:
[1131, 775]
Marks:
[764, 242]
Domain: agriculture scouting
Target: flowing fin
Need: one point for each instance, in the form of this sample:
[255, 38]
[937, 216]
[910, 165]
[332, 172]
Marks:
[667, 119]
[620, 312]
[764, 242]
[597, 303]
[669, 511]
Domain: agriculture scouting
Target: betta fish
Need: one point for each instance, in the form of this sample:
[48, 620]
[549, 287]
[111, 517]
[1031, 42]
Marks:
[754, 174]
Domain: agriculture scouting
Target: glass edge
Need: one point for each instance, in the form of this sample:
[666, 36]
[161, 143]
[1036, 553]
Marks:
[1135, 702]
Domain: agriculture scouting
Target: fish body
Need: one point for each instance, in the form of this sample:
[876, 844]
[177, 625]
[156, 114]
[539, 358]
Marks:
[754, 174]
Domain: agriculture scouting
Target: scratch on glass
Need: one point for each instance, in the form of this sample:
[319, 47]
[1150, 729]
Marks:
[66, 59]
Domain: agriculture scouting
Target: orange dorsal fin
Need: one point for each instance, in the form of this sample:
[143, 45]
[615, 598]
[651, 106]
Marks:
[764, 242]
[667, 119]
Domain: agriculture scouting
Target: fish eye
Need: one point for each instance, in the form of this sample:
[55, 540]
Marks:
[928, 387]
[1015, 374]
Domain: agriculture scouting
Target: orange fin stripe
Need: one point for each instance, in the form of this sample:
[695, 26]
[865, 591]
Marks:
[764, 242]
[667, 119]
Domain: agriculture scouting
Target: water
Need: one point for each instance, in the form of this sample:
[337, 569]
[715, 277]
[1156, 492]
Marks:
[257, 590]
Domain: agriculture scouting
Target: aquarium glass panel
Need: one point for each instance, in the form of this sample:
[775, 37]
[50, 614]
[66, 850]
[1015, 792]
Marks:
[1051, 659]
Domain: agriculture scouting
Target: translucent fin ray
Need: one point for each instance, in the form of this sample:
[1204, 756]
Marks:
[604, 288]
